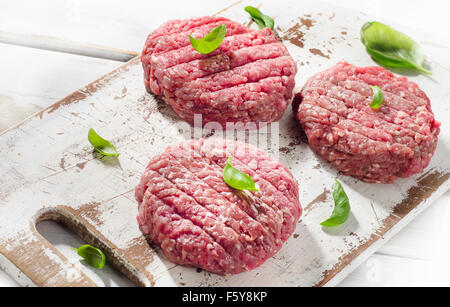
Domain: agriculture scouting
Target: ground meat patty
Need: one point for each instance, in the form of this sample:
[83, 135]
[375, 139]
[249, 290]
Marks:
[249, 78]
[187, 209]
[398, 140]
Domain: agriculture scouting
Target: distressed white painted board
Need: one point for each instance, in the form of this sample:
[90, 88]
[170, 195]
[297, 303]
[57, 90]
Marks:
[52, 172]
[33, 79]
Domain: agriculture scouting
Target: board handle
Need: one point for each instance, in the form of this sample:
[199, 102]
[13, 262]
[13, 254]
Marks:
[134, 268]
[30, 254]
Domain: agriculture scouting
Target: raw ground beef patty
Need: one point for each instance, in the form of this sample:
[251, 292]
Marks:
[249, 78]
[187, 209]
[398, 140]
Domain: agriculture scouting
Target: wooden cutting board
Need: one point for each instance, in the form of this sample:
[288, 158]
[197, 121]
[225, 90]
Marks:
[49, 172]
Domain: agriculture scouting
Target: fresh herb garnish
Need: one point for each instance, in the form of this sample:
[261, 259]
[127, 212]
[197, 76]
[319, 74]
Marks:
[377, 97]
[391, 48]
[92, 255]
[237, 179]
[341, 210]
[101, 145]
[211, 41]
[259, 18]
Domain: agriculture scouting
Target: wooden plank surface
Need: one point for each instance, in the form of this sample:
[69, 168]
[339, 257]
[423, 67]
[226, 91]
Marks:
[38, 78]
[110, 23]
[415, 257]
[70, 169]
[61, 45]
[114, 25]
[409, 242]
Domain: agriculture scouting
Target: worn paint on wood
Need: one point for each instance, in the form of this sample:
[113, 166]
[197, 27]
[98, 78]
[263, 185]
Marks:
[53, 173]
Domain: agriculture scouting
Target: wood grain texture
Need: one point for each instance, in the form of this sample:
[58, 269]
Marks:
[65, 181]
[35, 79]
[52, 268]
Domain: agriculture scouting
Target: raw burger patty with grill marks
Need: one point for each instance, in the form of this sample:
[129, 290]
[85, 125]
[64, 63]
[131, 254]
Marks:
[187, 209]
[398, 140]
[249, 78]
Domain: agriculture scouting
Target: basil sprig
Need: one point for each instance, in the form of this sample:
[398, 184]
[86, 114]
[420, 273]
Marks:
[211, 41]
[92, 255]
[391, 48]
[341, 210]
[237, 179]
[377, 97]
[259, 18]
[101, 145]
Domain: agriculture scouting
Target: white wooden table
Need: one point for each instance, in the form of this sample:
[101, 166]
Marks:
[49, 48]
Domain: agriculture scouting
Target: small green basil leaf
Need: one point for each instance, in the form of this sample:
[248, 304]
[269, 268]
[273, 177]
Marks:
[101, 145]
[259, 18]
[211, 41]
[391, 48]
[92, 255]
[237, 179]
[341, 210]
[377, 97]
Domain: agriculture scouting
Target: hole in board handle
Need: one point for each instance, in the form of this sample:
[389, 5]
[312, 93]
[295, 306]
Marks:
[56, 226]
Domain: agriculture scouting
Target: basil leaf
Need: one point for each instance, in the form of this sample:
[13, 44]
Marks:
[237, 179]
[341, 210]
[92, 255]
[101, 145]
[391, 48]
[377, 97]
[259, 18]
[211, 41]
